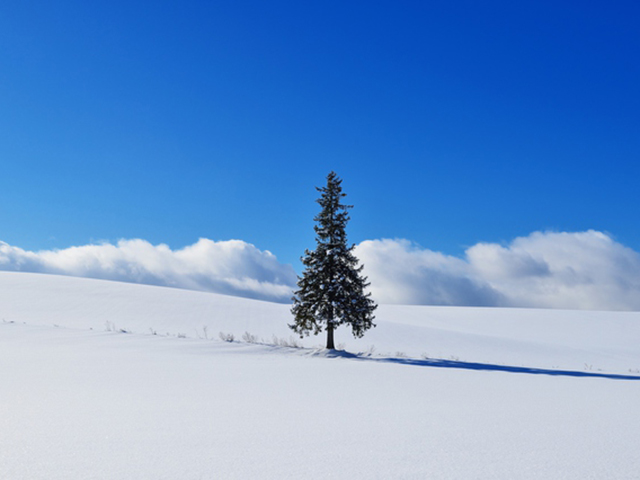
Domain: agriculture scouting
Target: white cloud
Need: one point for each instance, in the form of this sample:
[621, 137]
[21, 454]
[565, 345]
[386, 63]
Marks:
[232, 267]
[583, 270]
[400, 272]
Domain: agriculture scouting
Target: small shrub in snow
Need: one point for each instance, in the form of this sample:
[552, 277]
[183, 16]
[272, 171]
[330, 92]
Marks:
[369, 351]
[226, 337]
[249, 338]
[182, 335]
[283, 342]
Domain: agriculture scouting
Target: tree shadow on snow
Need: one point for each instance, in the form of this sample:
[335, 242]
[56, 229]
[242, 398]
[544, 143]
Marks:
[438, 363]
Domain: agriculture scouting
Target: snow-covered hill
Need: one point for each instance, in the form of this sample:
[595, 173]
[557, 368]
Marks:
[431, 392]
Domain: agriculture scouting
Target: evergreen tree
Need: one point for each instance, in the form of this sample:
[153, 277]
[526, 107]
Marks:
[331, 289]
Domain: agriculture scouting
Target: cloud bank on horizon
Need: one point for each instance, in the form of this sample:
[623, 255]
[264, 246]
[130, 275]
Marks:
[581, 270]
[230, 267]
[584, 270]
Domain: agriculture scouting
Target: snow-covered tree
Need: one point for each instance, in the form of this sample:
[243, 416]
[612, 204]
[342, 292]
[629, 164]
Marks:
[331, 289]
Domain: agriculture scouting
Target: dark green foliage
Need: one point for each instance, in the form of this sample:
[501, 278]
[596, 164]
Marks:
[331, 289]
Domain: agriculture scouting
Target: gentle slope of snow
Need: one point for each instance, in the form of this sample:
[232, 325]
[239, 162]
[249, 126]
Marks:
[78, 402]
[606, 341]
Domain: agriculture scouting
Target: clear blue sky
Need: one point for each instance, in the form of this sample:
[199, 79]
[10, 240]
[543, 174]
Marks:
[450, 122]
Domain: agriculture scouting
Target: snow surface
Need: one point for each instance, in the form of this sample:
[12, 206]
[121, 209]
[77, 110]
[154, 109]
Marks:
[435, 392]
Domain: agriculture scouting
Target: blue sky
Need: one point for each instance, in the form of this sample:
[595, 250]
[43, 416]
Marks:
[450, 122]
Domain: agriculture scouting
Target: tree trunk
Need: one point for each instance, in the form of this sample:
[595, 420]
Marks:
[330, 345]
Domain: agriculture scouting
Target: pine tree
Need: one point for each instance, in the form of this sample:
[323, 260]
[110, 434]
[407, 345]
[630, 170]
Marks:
[331, 289]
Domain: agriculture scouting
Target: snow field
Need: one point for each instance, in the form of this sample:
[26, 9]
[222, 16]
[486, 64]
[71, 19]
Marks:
[79, 402]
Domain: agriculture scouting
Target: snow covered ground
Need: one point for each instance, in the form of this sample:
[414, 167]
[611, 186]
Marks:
[432, 392]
